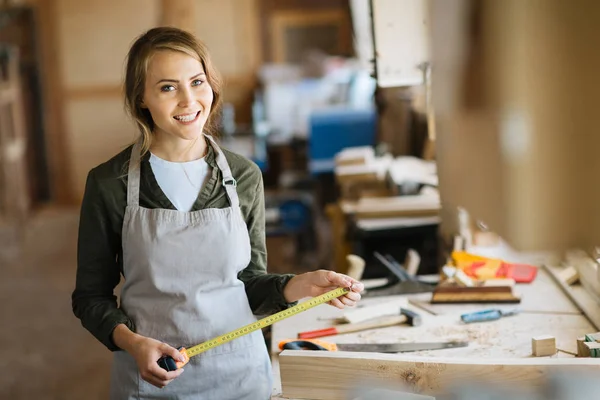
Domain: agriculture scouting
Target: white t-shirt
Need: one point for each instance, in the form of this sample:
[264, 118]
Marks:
[181, 182]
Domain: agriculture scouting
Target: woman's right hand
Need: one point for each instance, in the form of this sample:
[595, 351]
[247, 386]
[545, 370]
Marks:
[146, 352]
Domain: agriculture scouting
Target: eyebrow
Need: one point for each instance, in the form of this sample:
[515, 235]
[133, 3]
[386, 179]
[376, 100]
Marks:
[176, 81]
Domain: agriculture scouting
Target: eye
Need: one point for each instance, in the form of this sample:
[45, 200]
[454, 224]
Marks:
[197, 82]
[167, 88]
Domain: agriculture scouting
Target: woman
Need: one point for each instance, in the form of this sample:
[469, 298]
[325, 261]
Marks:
[183, 221]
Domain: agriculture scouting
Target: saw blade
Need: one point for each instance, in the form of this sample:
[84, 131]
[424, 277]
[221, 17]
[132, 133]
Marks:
[398, 347]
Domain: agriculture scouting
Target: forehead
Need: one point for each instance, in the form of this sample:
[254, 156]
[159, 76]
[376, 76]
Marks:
[173, 64]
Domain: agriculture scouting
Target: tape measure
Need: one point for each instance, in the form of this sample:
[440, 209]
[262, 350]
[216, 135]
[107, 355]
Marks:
[170, 364]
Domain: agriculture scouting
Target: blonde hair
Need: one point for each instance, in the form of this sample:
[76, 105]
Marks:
[138, 59]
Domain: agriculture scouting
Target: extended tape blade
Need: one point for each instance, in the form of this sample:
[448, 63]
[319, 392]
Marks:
[267, 321]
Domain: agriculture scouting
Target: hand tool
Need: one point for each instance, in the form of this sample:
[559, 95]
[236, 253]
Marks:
[487, 315]
[169, 364]
[399, 282]
[406, 316]
[362, 313]
[292, 344]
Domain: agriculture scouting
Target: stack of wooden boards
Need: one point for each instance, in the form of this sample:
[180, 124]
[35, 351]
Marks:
[468, 278]
[359, 173]
[589, 345]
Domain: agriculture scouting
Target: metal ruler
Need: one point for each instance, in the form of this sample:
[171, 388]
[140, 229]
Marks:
[170, 364]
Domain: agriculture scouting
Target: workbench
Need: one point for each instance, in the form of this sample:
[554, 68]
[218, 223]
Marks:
[546, 310]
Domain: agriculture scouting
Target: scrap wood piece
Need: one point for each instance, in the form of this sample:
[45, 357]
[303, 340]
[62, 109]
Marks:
[544, 345]
[569, 275]
[332, 375]
[593, 349]
[582, 349]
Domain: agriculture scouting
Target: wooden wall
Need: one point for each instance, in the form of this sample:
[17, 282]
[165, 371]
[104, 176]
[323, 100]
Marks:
[515, 85]
[84, 44]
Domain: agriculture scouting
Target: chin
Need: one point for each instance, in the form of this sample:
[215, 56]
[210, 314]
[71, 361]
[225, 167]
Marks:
[189, 132]
[190, 135]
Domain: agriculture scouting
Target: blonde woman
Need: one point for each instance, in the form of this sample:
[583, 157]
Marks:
[183, 221]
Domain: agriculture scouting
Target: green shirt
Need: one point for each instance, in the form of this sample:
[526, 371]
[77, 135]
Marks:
[100, 255]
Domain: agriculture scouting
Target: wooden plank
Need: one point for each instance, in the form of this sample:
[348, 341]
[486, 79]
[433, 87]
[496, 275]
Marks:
[589, 309]
[332, 375]
[396, 206]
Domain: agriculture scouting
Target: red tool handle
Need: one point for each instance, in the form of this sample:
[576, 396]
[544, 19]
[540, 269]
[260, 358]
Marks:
[318, 333]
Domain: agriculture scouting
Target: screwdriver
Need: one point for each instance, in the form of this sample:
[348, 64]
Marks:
[487, 315]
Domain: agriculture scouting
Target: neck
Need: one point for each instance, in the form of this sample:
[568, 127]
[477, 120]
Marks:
[178, 150]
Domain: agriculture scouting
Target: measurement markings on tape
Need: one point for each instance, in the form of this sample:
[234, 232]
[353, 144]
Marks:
[169, 364]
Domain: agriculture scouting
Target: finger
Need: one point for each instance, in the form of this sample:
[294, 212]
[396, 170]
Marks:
[160, 382]
[157, 372]
[154, 380]
[347, 302]
[342, 280]
[353, 296]
[339, 280]
[171, 351]
[350, 300]
[357, 286]
[337, 303]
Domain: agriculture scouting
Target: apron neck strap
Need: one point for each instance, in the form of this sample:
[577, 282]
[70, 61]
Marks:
[133, 176]
[228, 180]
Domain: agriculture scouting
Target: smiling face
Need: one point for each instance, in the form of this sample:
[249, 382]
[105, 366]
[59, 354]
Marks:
[177, 94]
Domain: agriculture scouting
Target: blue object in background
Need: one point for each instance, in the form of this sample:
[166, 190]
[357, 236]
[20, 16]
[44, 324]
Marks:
[295, 215]
[487, 315]
[334, 129]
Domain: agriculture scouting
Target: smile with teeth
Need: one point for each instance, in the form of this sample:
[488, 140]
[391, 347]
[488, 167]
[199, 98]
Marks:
[187, 117]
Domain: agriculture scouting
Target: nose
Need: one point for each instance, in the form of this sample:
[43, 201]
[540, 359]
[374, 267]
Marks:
[186, 97]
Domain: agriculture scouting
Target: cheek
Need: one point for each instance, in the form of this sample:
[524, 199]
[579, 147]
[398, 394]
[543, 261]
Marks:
[159, 109]
[208, 98]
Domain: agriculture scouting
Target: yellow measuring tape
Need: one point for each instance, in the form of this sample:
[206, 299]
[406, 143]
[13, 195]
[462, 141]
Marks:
[170, 364]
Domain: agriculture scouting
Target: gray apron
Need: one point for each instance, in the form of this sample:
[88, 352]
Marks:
[181, 288]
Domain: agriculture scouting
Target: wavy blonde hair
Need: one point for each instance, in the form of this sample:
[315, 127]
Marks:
[138, 59]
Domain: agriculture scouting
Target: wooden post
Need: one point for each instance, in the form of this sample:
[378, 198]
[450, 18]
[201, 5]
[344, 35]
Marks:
[55, 126]
[14, 201]
[341, 246]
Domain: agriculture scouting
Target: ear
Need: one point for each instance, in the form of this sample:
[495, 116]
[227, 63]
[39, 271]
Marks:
[142, 104]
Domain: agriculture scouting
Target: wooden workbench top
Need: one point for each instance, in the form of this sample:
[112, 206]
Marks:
[546, 310]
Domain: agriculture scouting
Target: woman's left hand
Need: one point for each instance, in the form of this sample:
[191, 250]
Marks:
[316, 283]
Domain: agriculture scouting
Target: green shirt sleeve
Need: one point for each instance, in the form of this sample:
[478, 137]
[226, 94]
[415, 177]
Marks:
[264, 291]
[98, 272]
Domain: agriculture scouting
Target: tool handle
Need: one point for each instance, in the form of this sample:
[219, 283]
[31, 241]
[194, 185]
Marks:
[318, 333]
[360, 326]
[307, 344]
[168, 363]
[381, 322]
[482, 316]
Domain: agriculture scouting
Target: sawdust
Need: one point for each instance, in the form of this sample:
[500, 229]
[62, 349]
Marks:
[483, 336]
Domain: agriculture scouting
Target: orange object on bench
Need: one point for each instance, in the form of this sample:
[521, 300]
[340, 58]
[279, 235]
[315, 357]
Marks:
[482, 268]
